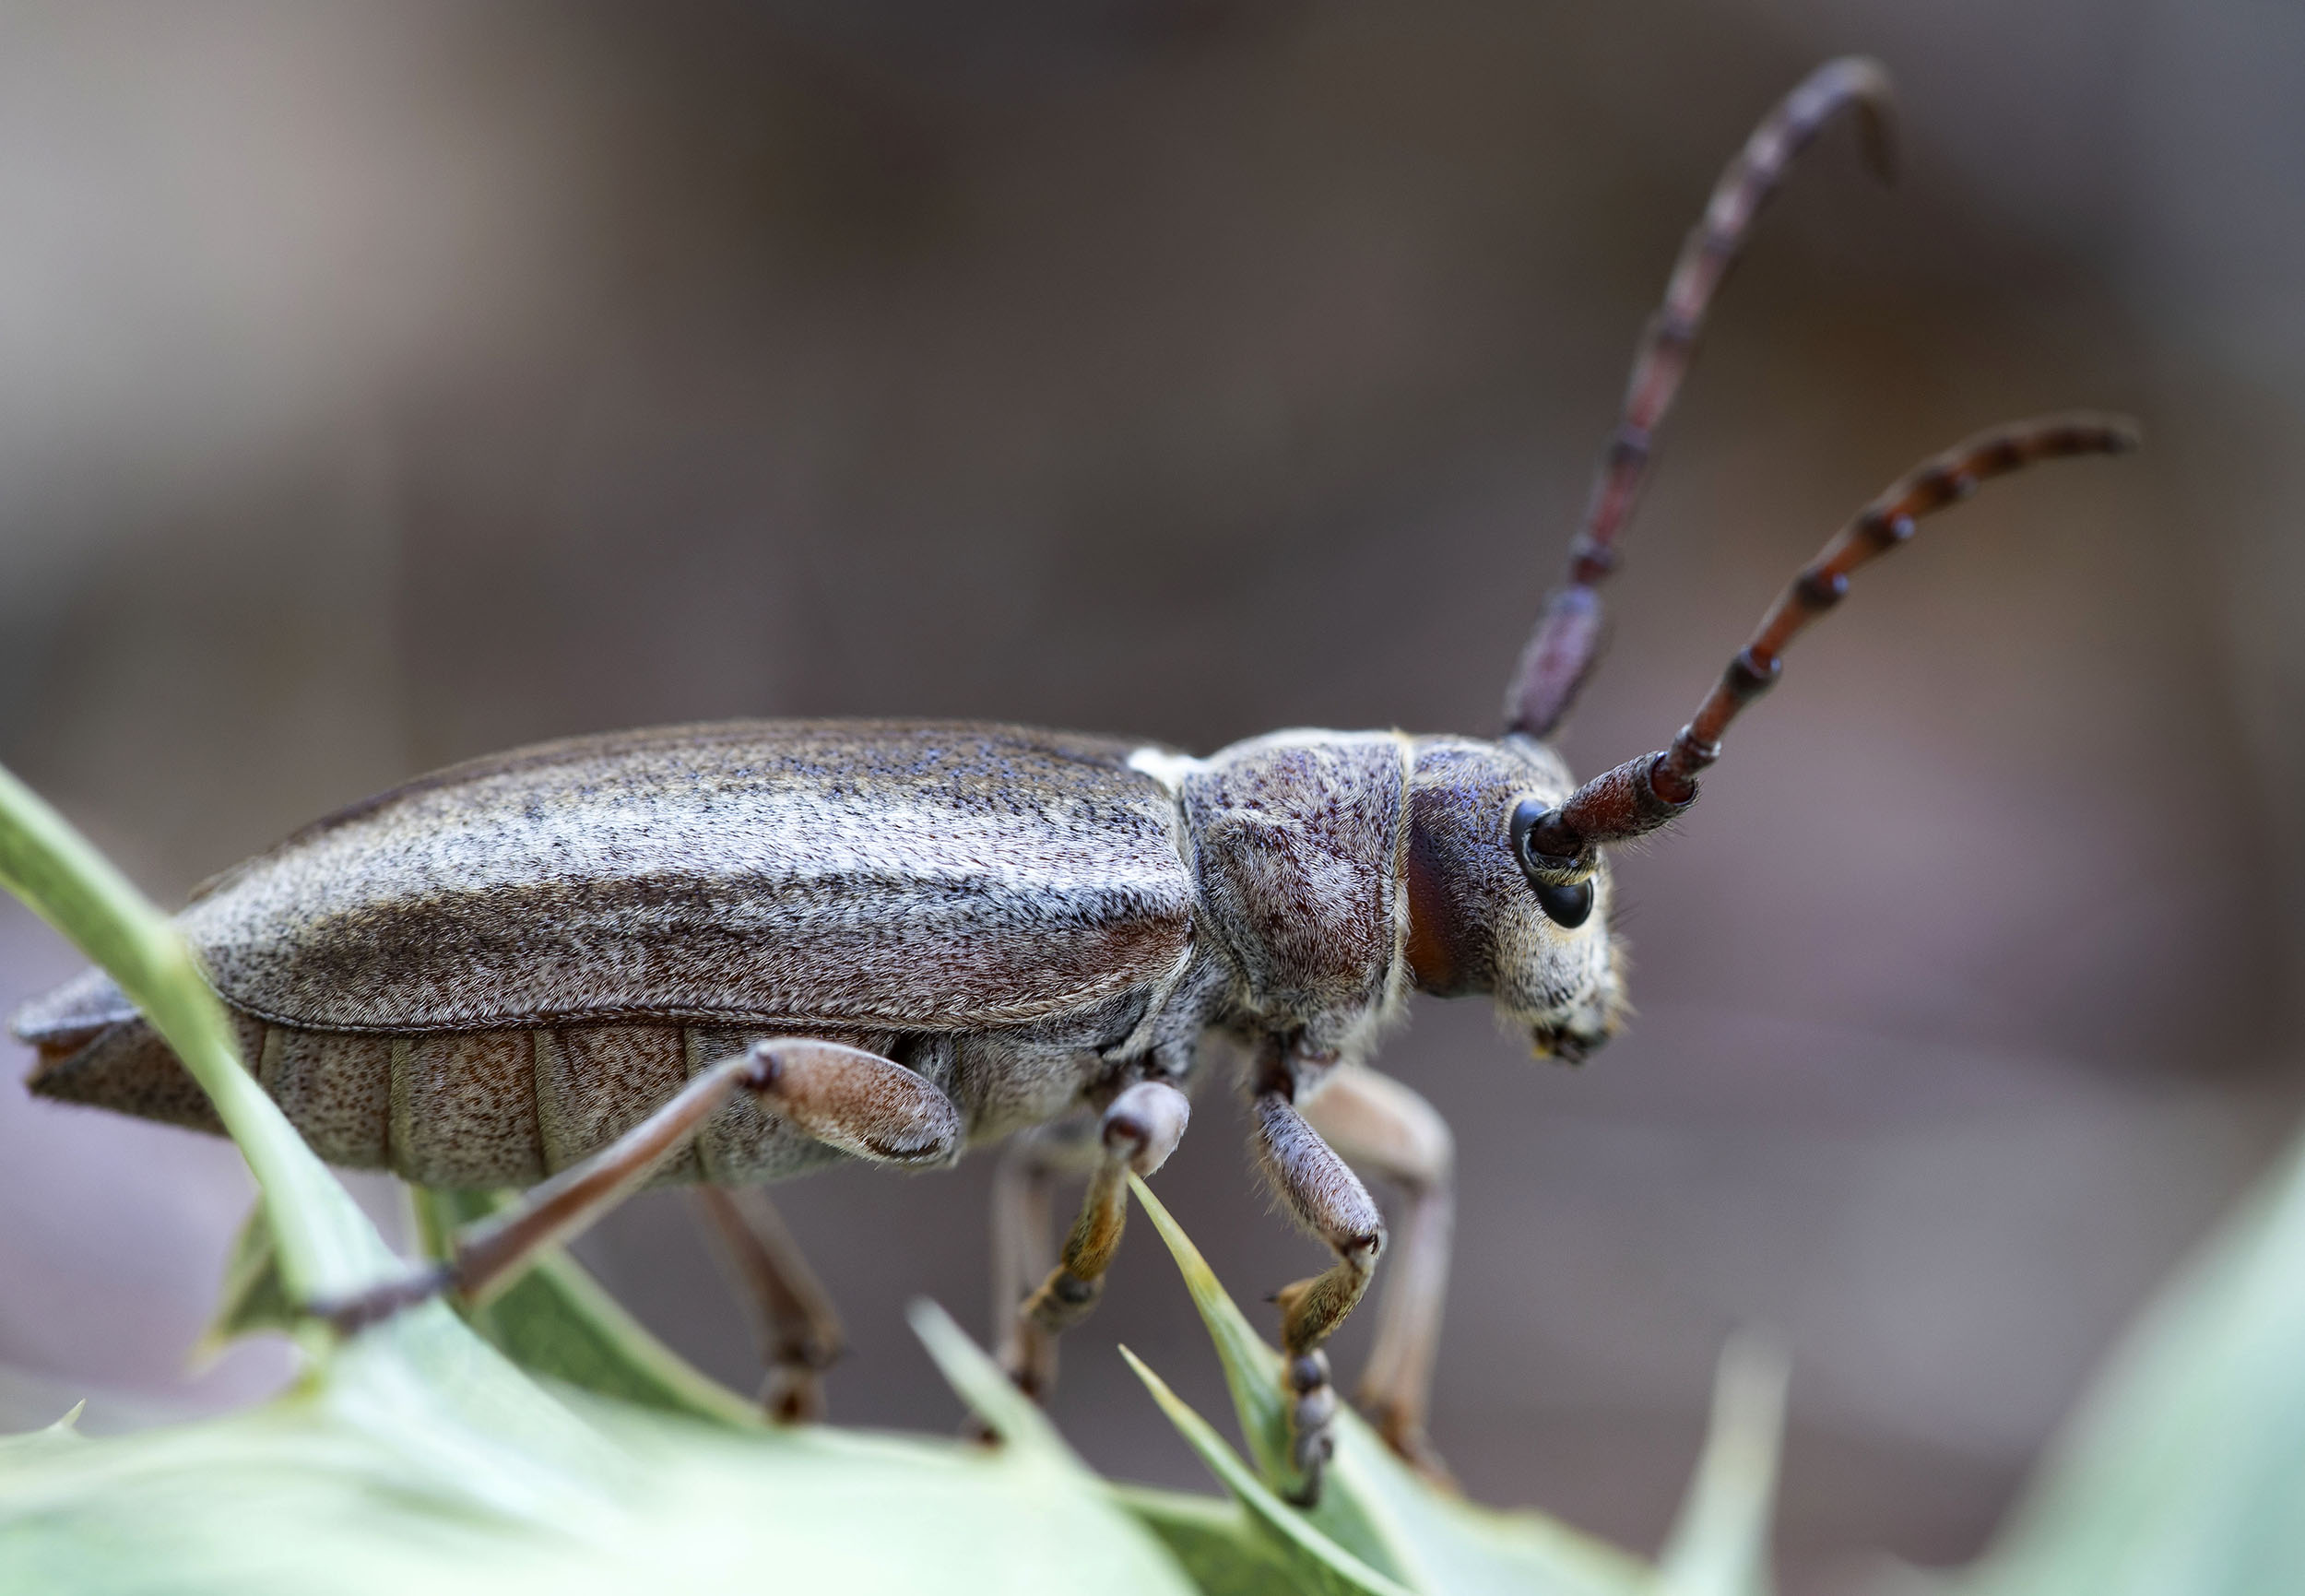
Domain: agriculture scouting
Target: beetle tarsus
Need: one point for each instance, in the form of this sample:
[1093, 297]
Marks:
[1312, 1425]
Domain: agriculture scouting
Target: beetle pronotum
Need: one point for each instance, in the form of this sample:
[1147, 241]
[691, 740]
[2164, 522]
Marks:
[727, 954]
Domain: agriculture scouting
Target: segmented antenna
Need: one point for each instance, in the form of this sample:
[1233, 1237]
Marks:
[1567, 643]
[1643, 794]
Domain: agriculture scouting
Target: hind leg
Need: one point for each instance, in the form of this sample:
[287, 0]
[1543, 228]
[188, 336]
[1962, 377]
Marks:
[791, 1313]
[867, 1105]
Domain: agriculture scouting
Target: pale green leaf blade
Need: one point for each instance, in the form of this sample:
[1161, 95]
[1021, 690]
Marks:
[557, 1321]
[1376, 1506]
[1260, 1402]
[1318, 1561]
[254, 1298]
[1023, 1429]
[1446, 1543]
[289, 1498]
[327, 1248]
[1252, 1368]
[2185, 1471]
[1215, 1540]
[1719, 1546]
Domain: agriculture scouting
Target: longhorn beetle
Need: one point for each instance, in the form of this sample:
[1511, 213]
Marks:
[726, 955]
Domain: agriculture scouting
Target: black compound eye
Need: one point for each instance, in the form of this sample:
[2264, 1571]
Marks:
[1567, 907]
[1526, 814]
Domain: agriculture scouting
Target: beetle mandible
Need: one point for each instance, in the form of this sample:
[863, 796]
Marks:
[727, 955]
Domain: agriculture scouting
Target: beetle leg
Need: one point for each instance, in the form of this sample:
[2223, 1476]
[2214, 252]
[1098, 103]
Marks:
[1330, 1199]
[1022, 1253]
[860, 1102]
[791, 1313]
[1139, 1131]
[1373, 1121]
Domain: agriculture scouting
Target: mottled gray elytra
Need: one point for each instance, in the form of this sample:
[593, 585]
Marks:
[727, 954]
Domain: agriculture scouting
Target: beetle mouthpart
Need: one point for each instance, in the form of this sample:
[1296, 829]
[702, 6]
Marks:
[1562, 1047]
[1566, 1044]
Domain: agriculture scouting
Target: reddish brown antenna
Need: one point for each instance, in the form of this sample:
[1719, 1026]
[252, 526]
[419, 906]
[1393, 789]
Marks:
[1567, 639]
[1643, 794]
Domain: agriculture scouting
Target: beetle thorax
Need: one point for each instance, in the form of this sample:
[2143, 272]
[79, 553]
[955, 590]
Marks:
[1337, 870]
[1296, 842]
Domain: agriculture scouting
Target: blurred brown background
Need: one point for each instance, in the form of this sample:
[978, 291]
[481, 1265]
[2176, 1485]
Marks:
[381, 386]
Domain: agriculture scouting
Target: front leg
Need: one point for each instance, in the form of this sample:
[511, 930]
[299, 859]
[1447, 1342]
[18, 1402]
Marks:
[1331, 1203]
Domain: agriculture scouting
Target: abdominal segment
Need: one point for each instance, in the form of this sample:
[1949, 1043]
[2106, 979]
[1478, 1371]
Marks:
[483, 1109]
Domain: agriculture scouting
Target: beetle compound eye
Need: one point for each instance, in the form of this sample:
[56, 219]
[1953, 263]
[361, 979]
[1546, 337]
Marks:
[1566, 904]
[1530, 818]
[1566, 907]
[1526, 814]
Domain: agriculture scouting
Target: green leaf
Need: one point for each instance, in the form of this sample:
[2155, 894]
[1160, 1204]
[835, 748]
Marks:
[326, 1246]
[1317, 1562]
[1008, 1412]
[1220, 1545]
[1719, 1544]
[557, 1321]
[254, 1298]
[1253, 1374]
[1373, 1506]
[289, 1498]
[2185, 1471]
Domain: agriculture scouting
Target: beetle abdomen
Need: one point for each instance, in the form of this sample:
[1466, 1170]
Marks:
[122, 1065]
[484, 1109]
[335, 1088]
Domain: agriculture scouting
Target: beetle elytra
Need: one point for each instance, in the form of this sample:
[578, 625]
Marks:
[728, 954]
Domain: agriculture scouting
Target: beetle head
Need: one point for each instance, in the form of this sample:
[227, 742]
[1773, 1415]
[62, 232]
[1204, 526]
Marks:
[1480, 921]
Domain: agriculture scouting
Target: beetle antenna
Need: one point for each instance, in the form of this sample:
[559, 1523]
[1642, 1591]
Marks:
[1567, 643]
[1643, 794]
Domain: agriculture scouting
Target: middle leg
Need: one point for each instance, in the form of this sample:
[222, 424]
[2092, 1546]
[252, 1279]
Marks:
[1136, 1134]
